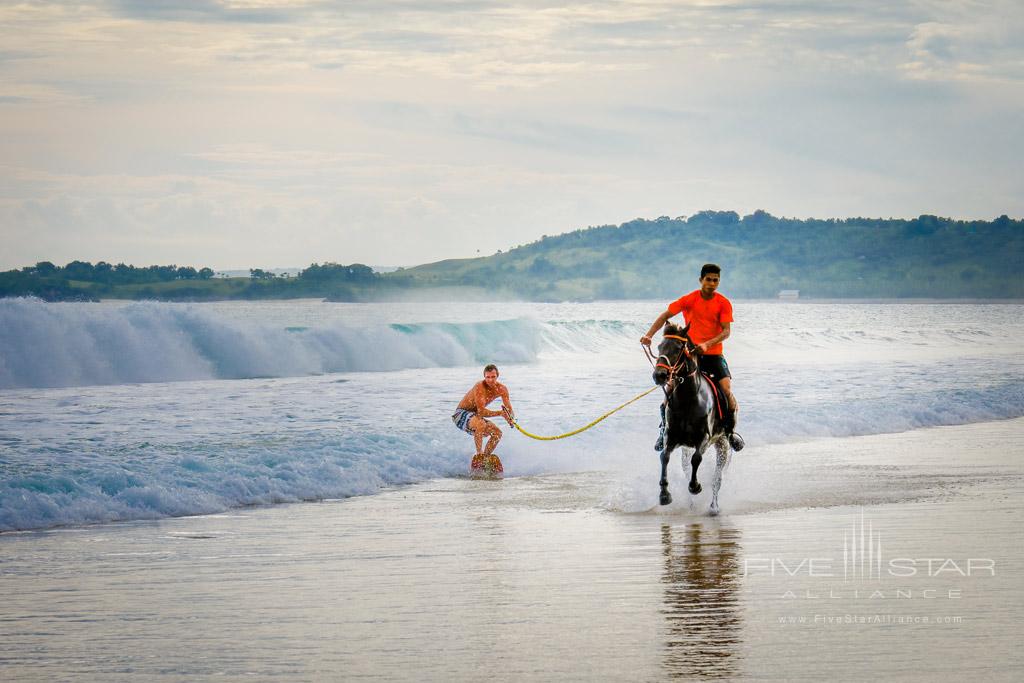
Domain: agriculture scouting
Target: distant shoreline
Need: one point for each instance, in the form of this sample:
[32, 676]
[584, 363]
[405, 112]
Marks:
[852, 300]
[762, 257]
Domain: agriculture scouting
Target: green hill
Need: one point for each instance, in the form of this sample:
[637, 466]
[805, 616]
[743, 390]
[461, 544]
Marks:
[760, 254]
[928, 257]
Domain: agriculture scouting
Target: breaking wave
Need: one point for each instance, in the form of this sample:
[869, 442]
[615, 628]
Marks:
[65, 345]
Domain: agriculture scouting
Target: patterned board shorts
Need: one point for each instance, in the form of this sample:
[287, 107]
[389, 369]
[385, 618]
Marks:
[461, 419]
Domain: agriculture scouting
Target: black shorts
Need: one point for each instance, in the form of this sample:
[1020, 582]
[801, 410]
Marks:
[715, 366]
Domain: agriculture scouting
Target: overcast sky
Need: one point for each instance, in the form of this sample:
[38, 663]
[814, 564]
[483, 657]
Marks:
[263, 133]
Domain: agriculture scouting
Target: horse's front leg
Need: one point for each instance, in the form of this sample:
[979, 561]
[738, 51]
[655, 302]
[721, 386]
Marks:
[722, 452]
[666, 454]
[698, 455]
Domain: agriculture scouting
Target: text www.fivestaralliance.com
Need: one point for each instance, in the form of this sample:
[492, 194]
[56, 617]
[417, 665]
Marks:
[841, 619]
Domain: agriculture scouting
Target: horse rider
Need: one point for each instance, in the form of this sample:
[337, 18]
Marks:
[709, 315]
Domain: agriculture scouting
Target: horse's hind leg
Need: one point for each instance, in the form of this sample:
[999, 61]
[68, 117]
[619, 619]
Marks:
[722, 453]
[665, 498]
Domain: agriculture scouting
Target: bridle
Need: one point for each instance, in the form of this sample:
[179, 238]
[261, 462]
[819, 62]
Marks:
[673, 370]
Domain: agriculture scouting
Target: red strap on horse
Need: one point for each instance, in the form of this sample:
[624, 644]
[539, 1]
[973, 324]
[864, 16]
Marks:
[718, 398]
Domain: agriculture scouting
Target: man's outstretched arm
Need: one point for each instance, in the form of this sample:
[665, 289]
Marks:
[506, 406]
[658, 324]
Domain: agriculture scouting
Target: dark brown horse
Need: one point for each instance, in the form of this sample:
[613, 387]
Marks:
[691, 416]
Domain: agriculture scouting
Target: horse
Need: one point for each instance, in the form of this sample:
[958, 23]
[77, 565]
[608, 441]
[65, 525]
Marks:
[691, 416]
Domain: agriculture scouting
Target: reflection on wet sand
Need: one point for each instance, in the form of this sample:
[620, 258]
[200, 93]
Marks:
[702, 610]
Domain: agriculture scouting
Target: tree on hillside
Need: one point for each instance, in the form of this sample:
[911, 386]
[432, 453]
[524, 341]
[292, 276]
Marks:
[542, 267]
[103, 272]
[45, 269]
[78, 270]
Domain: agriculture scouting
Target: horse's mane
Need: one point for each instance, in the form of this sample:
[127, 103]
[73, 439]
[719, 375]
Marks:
[671, 328]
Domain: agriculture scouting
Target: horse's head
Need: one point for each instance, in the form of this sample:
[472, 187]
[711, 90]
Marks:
[675, 354]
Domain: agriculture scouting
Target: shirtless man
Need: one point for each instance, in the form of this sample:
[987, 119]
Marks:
[469, 416]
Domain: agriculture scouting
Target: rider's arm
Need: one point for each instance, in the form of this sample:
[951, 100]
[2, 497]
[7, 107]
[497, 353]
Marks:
[717, 339]
[481, 403]
[506, 403]
[662, 319]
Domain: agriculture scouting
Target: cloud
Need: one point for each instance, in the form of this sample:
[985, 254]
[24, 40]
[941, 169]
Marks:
[268, 132]
[257, 154]
[208, 11]
[969, 45]
[548, 135]
[45, 94]
[526, 44]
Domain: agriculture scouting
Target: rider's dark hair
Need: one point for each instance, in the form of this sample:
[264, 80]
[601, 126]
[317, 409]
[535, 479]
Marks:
[489, 367]
[710, 268]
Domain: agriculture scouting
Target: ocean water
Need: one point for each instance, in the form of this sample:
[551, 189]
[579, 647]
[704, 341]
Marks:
[131, 411]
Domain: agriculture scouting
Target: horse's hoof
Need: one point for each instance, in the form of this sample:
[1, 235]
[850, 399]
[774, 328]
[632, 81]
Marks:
[696, 488]
[713, 510]
[666, 498]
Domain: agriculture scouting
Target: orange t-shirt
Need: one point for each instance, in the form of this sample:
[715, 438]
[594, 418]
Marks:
[705, 316]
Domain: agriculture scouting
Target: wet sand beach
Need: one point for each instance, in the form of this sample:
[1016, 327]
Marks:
[889, 556]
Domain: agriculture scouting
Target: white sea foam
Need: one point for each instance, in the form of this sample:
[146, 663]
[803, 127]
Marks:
[153, 481]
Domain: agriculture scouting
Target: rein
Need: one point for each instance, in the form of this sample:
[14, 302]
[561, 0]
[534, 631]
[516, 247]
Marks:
[673, 370]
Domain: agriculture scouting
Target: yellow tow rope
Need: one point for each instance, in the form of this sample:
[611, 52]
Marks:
[585, 427]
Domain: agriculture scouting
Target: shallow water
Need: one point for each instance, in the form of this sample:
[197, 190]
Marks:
[881, 439]
[550, 577]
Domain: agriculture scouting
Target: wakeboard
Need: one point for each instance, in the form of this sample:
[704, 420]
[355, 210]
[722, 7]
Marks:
[486, 467]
